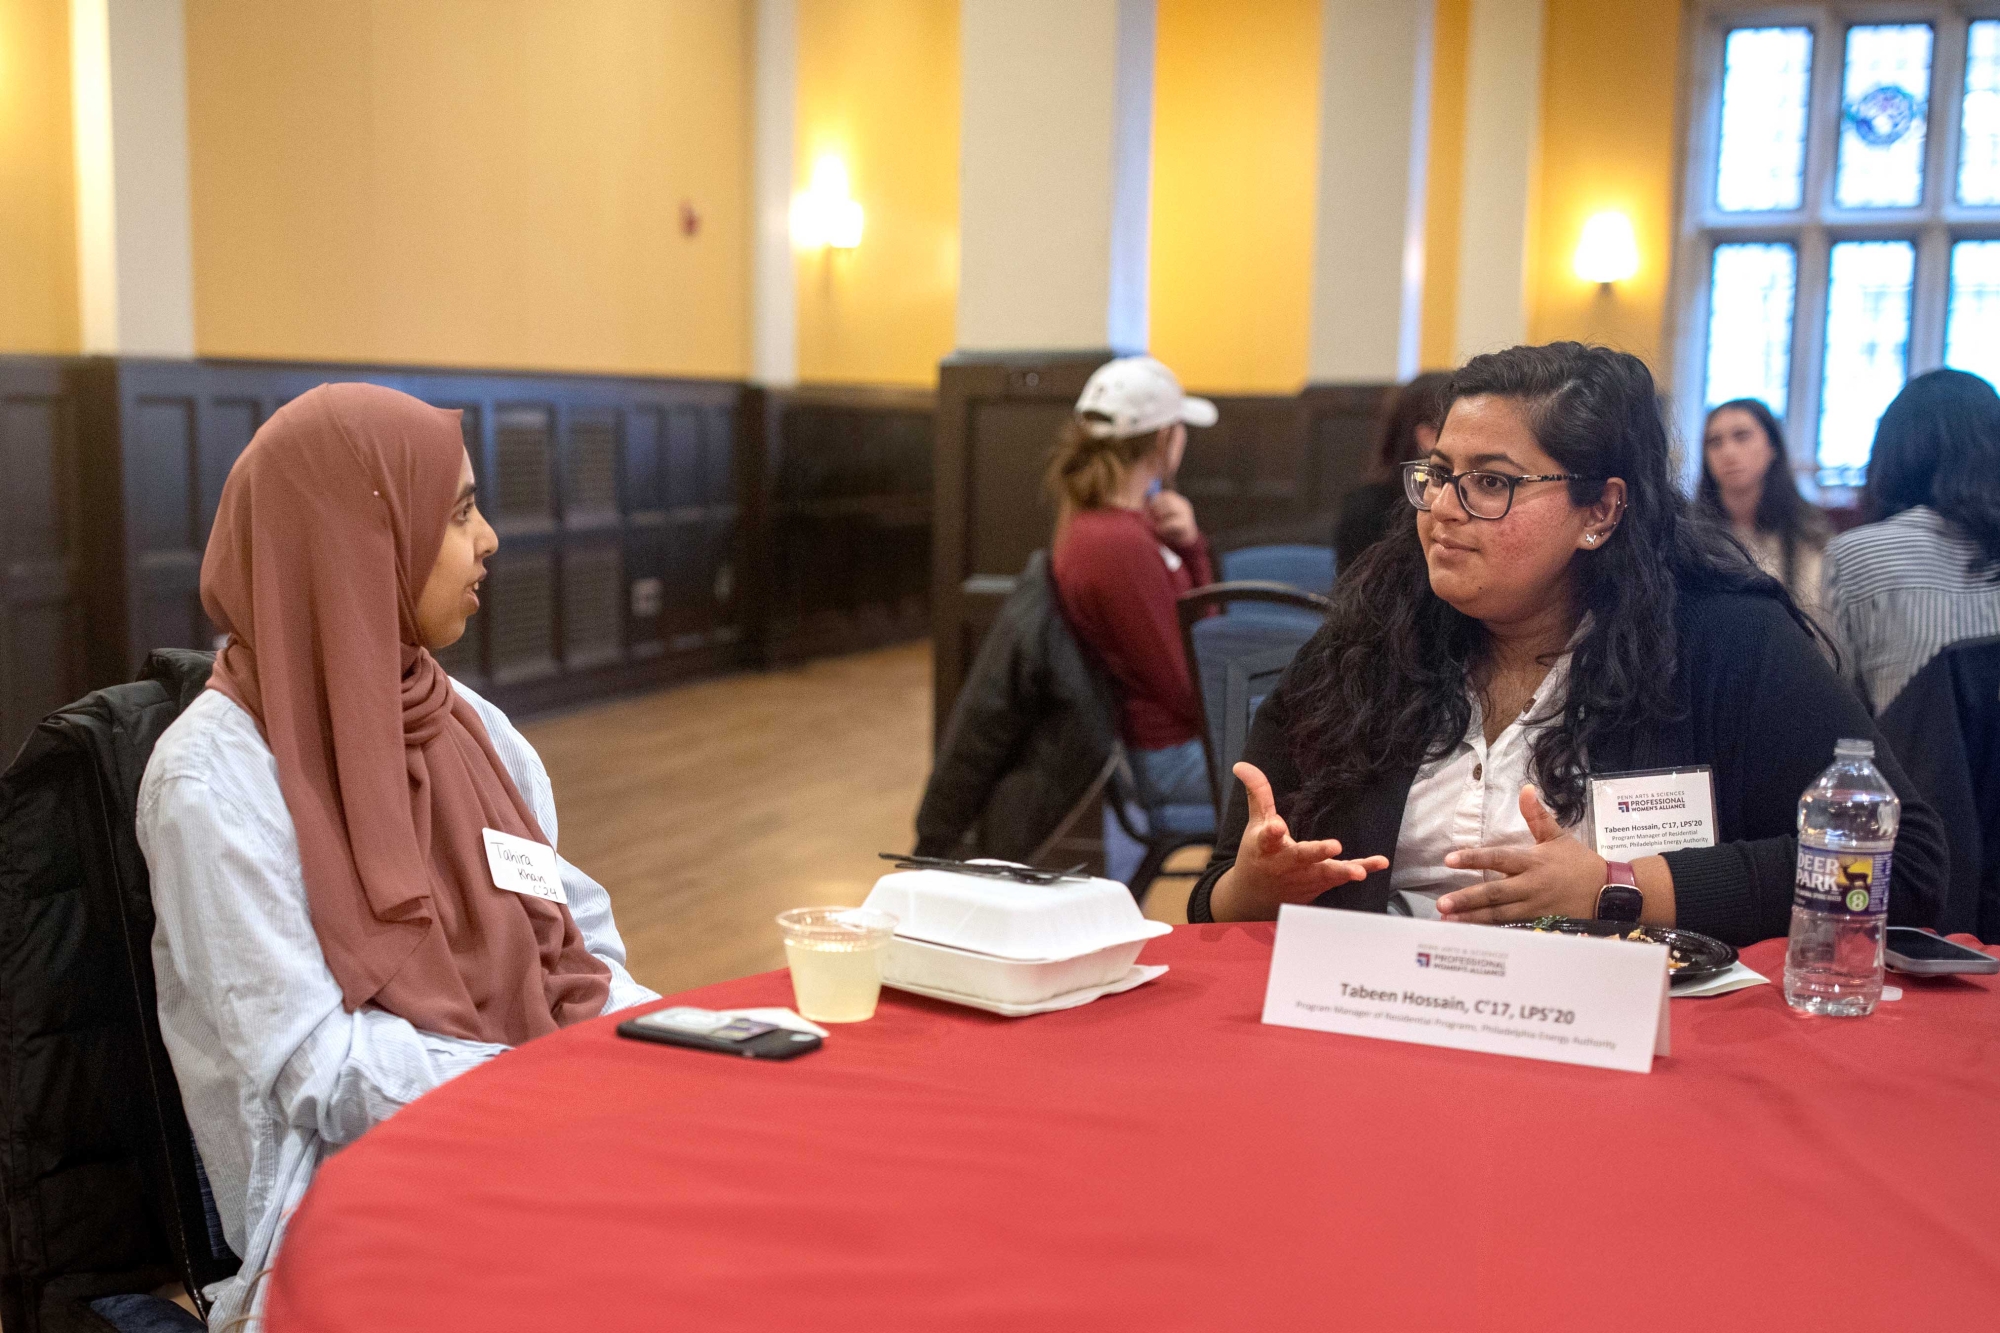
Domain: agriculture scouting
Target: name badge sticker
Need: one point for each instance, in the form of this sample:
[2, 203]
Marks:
[1653, 811]
[522, 865]
[1574, 1000]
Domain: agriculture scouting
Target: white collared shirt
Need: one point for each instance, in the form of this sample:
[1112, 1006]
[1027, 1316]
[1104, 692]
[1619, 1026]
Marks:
[274, 1073]
[1471, 797]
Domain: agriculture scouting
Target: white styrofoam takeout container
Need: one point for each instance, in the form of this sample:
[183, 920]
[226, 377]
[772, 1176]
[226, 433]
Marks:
[1005, 918]
[945, 971]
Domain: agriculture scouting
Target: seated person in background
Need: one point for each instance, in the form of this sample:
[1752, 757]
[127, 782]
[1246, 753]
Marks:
[1925, 571]
[1409, 429]
[1747, 486]
[1552, 615]
[330, 941]
[1126, 547]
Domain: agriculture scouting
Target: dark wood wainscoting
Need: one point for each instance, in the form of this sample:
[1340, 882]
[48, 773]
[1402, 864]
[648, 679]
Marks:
[651, 529]
[1273, 468]
[45, 623]
[616, 502]
[845, 518]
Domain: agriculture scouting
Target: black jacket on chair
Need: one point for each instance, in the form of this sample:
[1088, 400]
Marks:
[1945, 727]
[1033, 729]
[101, 1190]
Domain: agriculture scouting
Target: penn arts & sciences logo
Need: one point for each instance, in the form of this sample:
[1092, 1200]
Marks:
[1449, 958]
[1624, 807]
[1661, 803]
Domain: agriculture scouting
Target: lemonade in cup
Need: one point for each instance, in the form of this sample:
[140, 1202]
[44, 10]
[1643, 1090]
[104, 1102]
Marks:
[835, 955]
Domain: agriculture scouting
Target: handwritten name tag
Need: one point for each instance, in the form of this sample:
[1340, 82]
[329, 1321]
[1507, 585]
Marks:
[1572, 999]
[522, 865]
[1644, 814]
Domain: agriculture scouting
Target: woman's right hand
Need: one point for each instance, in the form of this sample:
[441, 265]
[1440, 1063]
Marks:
[1271, 868]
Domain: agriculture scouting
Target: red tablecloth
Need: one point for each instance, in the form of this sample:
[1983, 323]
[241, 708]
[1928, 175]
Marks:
[1159, 1159]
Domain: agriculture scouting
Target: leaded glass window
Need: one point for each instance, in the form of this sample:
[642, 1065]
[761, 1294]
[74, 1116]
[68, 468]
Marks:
[1766, 73]
[1821, 267]
[1867, 350]
[1750, 324]
[1884, 97]
[1972, 326]
[1979, 124]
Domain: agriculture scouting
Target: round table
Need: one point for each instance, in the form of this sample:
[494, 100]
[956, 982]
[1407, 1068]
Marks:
[1160, 1159]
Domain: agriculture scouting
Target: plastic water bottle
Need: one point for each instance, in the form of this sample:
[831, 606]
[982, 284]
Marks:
[1840, 896]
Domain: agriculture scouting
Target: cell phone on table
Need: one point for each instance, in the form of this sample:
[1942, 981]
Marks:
[706, 1030]
[1920, 953]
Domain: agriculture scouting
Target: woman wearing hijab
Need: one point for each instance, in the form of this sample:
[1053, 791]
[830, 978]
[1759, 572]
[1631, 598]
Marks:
[331, 943]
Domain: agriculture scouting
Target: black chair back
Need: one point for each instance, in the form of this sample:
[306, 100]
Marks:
[1237, 660]
[1945, 728]
[101, 1188]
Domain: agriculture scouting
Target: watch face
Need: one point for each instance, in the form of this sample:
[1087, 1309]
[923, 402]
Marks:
[1619, 902]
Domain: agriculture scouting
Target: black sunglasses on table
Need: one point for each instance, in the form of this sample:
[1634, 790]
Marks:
[1482, 494]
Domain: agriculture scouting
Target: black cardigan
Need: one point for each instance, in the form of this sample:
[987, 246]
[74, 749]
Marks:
[1759, 705]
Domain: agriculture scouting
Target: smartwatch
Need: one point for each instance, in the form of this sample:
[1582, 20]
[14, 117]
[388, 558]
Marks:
[1619, 899]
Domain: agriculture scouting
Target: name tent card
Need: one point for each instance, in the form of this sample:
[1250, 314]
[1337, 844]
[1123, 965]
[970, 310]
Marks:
[522, 865]
[1659, 810]
[1572, 999]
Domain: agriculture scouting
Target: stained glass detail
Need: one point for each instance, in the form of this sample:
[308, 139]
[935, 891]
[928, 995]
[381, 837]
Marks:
[1867, 350]
[1979, 130]
[1766, 73]
[1750, 324]
[1972, 328]
[1884, 106]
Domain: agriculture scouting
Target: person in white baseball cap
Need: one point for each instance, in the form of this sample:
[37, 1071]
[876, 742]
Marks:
[1127, 546]
[1136, 395]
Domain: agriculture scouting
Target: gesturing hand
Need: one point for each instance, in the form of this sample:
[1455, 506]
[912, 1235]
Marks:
[1557, 876]
[1271, 868]
[1173, 519]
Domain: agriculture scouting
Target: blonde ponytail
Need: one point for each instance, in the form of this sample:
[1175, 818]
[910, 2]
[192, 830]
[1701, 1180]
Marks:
[1085, 470]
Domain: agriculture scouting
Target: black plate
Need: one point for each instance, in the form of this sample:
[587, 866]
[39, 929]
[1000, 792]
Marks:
[1703, 957]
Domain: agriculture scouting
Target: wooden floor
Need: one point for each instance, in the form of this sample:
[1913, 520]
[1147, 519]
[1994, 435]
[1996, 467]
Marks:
[708, 809]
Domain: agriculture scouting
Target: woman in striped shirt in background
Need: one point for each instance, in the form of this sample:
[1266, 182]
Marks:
[1925, 572]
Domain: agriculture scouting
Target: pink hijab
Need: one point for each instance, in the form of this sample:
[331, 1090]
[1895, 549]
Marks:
[329, 525]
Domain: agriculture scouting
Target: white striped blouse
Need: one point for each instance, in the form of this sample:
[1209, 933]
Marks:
[1900, 591]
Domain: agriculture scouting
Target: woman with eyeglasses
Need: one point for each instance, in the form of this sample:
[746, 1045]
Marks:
[1554, 615]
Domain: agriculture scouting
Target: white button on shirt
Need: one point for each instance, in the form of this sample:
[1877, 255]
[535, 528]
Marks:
[1471, 798]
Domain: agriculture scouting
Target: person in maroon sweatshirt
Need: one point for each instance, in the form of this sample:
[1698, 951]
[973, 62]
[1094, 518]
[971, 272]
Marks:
[1126, 547]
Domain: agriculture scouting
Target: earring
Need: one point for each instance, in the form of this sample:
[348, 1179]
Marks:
[1590, 537]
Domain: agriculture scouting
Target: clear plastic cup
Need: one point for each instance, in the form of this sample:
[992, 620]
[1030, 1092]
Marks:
[835, 955]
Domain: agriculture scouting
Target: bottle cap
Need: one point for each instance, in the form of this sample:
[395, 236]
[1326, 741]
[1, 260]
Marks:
[1849, 748]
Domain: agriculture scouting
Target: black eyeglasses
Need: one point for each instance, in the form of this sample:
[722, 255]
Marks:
[1482, 494]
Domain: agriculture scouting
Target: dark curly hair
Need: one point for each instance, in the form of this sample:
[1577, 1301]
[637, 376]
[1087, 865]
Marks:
[1938, 444]
[1382, 686]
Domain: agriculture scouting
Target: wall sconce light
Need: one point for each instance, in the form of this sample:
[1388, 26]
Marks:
[825, 213]
[1608, 251]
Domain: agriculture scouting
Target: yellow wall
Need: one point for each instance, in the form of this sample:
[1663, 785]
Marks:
[38, 310]
[1444, 183]
[1609, 100]
[472, 182]
[1235, 163]
[878, 87]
